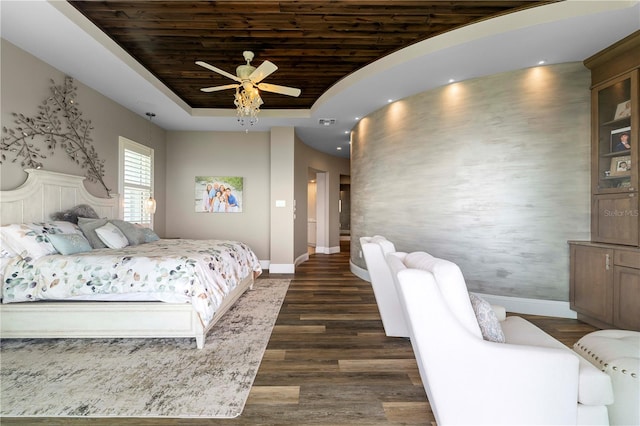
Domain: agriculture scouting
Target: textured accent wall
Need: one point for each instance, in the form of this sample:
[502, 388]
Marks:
[490, 173]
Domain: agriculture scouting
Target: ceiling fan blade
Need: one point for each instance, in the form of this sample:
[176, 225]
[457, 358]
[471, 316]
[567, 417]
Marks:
[283, 90]
[218, 70]
[264, 70]
[217, 88]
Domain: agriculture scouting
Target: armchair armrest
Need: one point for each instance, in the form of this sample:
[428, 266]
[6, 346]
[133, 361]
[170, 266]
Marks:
[500, 312]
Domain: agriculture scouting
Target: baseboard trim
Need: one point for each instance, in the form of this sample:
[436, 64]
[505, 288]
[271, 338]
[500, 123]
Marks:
[302, 258]
[328, 250]
[359, 272]
[520, 305]
[282, 268]
[516, 305]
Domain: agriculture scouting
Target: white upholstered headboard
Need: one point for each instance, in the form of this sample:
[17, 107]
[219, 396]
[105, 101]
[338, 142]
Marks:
[44, 193]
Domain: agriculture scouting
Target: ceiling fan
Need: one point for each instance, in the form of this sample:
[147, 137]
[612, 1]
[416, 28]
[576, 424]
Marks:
[250, 77]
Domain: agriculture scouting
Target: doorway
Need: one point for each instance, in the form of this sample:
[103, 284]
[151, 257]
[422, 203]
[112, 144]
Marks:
[345, 207]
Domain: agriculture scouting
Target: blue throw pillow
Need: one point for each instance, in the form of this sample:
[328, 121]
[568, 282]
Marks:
[149, 235]
[69, 243]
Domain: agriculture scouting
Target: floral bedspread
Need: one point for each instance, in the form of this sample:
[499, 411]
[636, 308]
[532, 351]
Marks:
[200, 272]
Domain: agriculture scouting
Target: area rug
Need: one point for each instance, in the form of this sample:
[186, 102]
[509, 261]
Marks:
[143, 377]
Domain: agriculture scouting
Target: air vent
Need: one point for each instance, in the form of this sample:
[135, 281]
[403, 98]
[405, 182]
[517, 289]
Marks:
[327, 121]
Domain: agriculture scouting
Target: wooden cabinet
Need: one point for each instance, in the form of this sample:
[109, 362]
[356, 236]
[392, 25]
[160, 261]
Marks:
[591, 291]
[615, 101]
[605, 284]
[605, 272]
[614, 218]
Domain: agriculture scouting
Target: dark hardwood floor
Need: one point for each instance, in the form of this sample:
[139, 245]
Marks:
[328, 361]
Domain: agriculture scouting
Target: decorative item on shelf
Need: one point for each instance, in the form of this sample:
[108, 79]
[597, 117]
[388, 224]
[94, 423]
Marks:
[620, 139]
[150, 205]
[623, 110]
[621, 166]
[58, 122]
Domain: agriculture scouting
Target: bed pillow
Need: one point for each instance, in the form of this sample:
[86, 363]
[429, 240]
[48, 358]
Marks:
[88, 227]
[111, 236]
[60, 227]
[134, 233]
[7, 252]
[70, 243]
[27, 239]
[149, 235]
[72, 215]
[487, 319]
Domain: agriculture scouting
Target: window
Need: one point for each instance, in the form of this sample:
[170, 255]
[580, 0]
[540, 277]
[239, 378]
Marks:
[136, 181]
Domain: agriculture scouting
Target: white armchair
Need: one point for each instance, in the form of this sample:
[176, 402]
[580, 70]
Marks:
[469, 380]
[374, 250]
[383, 283]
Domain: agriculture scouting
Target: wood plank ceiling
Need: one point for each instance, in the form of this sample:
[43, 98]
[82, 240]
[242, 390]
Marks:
[313, 43]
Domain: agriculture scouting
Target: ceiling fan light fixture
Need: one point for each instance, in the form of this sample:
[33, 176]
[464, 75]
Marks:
[247, 104]
[248, 80]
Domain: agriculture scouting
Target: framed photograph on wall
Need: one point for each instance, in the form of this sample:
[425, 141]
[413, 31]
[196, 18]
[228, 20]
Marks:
[621, 166]
[218, 194]
[621, 139]
[623, 110]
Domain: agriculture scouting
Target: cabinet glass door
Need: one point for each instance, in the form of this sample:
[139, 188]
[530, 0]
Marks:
[615, 171]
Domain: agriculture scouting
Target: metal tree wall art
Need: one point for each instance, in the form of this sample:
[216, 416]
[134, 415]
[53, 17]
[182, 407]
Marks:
[58, 122]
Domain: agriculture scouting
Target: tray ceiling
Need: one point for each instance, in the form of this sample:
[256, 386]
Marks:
[313, 43]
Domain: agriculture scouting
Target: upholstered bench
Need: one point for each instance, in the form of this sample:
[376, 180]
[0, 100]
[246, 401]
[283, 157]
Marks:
[617, 353]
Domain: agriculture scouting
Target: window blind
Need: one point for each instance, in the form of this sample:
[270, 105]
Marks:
[137, 181]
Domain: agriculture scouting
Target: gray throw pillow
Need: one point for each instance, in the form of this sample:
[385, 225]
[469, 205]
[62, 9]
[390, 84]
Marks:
[72, 215]
[134, 233]
[88, 228]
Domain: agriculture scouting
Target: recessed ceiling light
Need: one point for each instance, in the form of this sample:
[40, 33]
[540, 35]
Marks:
[541, 62]
[389, 100]
[357, 118]
[346, 132]
[451, 80]
[339, 148]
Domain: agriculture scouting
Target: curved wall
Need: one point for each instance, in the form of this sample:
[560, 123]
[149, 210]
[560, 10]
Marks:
[490, 173]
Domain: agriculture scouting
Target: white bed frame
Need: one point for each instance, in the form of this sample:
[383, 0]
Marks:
[44, 193]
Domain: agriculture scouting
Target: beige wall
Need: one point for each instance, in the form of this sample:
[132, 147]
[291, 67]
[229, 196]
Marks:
[282, 199]
[191, 154]
[491, 173]
[25, 83]
[266, 161]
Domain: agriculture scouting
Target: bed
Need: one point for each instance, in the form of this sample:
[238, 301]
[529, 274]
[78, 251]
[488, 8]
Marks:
[162, 288]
